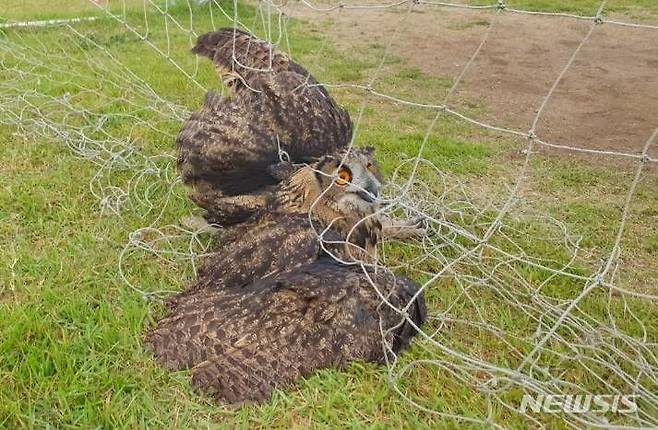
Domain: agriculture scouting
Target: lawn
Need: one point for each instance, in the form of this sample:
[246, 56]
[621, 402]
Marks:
[71, 326]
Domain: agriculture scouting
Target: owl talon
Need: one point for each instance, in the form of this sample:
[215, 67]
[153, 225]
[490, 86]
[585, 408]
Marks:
[414, 228]
[198, 224]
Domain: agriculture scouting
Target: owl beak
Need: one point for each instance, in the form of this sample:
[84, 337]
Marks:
[370, 194]
[366, 196]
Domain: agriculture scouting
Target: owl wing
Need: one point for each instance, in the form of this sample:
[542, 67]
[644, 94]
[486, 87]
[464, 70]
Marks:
[231, 143]
[241, 343]
[223, 145]
[236, 52]
[249, 251]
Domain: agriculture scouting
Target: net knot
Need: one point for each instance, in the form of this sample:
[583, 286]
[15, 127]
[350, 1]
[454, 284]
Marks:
[598, 19]
[284, 156]
[102, 119]
[111, 203]
[531, 135]
[492, 382]
[645, 158]
[501, 5]
[598, 279]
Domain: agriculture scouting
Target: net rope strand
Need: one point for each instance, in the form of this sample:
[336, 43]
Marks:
[473, 265]
[500, 5]
[344, 6]
[366, 87]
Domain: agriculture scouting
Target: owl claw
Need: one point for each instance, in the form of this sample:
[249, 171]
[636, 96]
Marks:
[198, 224]
[414, 228]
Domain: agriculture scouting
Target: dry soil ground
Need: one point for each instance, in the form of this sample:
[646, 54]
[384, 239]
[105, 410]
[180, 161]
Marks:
[608, 99]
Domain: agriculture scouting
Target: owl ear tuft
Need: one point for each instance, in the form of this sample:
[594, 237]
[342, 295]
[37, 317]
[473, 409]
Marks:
[327, 161]
[335, 161]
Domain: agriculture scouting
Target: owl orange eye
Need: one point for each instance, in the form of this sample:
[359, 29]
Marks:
[344, 177]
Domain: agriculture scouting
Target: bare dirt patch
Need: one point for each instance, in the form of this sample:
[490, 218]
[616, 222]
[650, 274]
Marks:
[608, 100]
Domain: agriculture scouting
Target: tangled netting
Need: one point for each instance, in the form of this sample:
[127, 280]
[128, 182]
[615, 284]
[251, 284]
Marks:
[505, 319]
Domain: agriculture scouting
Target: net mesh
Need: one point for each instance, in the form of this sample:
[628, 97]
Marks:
[507, 317]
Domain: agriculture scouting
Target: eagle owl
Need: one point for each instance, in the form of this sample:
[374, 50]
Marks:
[282, 294]
[276, 302]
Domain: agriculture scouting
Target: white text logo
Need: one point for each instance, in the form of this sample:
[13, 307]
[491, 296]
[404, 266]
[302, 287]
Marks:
[579, 403]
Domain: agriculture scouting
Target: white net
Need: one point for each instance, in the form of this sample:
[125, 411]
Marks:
[517, 305]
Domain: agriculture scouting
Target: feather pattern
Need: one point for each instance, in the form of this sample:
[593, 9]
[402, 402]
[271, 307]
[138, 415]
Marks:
[231, 142]
[241, 343]
[269, 306]
[247, 59]
[273, 243]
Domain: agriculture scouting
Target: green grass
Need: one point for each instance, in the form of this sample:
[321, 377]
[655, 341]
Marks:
[70, 333]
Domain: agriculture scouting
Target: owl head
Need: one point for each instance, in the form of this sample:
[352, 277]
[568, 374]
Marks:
[349, 180]
[338, 191]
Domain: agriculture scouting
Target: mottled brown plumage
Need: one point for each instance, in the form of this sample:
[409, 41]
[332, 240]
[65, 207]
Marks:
[243, 342]
[285, 234]
[271, 306]
[242, 60]
[273, 243]
[231, 146]
[270, 303]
